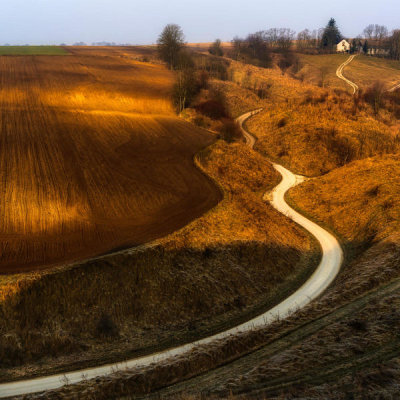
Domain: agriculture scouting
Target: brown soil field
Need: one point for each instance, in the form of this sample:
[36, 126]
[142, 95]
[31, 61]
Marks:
[92, 158]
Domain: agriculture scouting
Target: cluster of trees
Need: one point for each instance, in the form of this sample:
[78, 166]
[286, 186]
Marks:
[375, 39]
[192, 71]
[171, 49]
[308, 40]
[378, 39]
[319, 40]
[257, 47]
[394, 45]
[253, 50]
[280, 39]
[375, 31]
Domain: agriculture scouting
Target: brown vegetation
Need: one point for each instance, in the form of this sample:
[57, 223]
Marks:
[361, 200]
[324, 130]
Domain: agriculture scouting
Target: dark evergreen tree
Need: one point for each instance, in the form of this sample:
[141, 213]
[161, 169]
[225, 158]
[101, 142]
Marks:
[331, 35]
[365, 47]
[354, 46]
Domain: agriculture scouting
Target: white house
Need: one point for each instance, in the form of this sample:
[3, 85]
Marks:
[343, 46]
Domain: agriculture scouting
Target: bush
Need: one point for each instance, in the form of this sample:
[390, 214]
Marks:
[106, 326]
[216, 49]
[286, 61]
[374, 96]
[185, 88]
[282, 122]
[340, 146]
[230, 130]
[358, 325]
[203, 79]
[213, 109]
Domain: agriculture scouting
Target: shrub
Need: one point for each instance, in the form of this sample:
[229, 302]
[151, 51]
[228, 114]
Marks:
[216, 49]
[282, 122]
[213, 109]
[106, 326]
[263, 90]
[374, 96]
[373, 192]
[230, 130]
[358, 325]
[286, 61]
[203, 79]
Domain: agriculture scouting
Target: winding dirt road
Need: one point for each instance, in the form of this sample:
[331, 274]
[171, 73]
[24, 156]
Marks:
[339, 73]
[323, 276]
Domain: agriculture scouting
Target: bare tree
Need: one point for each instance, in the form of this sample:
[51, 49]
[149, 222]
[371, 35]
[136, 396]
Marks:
[216, 49]
[170, 43]
[238, 46]
[394, 45]
[253, 50]
[380, 32]
[369, 31]
[324, 70]
[304, 40]
[279, 38]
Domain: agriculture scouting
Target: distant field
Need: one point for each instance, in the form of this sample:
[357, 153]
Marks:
[363, 70]
[321, 69]
[32, 51]
[92, 158]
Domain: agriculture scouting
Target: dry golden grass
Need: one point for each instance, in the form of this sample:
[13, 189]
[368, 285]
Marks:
[310, 129]
[361, 200]
[364, 71]
[92, 158]
[320, 70]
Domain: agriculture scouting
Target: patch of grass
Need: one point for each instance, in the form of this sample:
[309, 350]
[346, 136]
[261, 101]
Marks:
[365, 70]
[33, 51]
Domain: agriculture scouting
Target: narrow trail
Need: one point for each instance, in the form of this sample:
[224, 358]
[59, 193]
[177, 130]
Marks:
[332, 257]
[339, 73]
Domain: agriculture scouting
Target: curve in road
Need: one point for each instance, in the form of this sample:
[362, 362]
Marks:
[339, 73]
[323, 276]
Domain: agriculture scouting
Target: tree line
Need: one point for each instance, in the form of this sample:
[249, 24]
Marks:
[257, 49]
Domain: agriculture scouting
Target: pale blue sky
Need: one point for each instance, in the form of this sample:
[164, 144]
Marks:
[139, 22]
